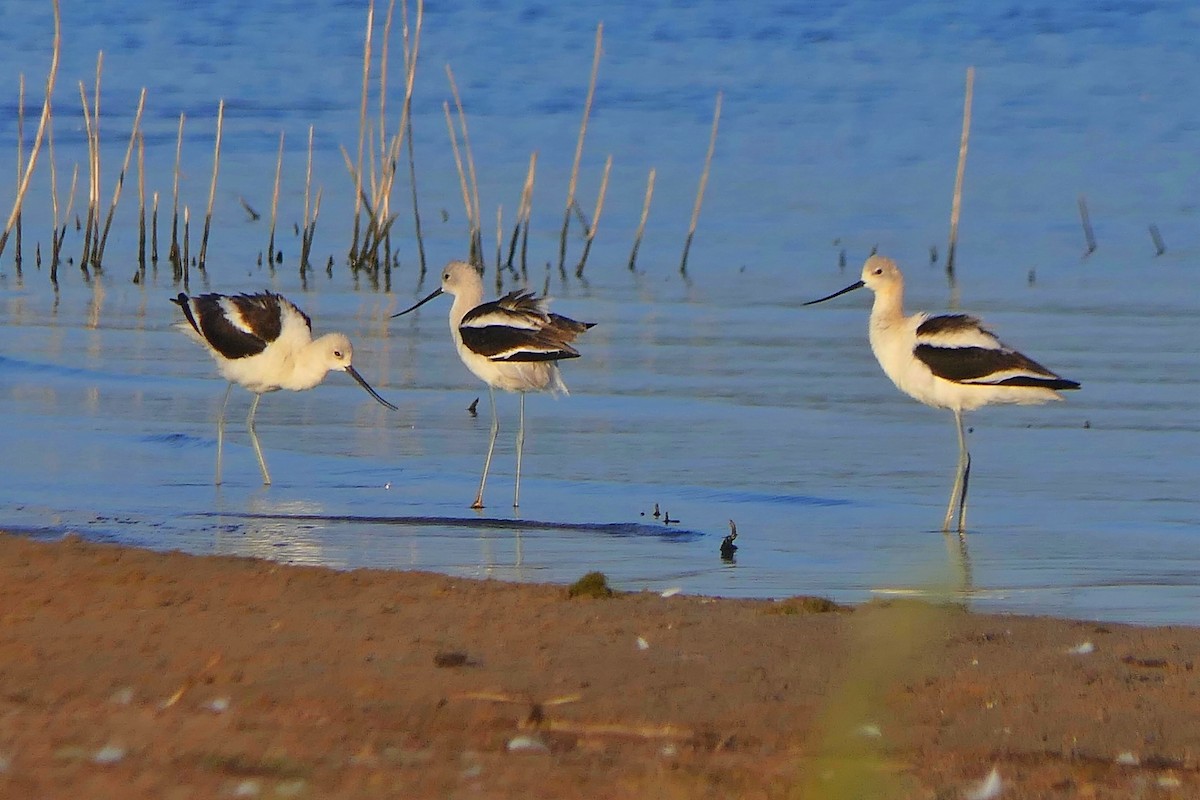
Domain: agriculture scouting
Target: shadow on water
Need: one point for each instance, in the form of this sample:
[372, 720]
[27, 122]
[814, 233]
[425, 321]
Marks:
[618, 529]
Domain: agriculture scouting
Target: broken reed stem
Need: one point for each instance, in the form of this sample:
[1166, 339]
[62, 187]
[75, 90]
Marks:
[641, 228]
[20, 164]
[956, 204]
[173, 254]
[587, 110]
[477, 216]
[362, 130]
[410, 74]
[712, 144]
[462, 179]
[1156, 237]
[23, 185]
[527, 196]
[523, 208]
[387, 166]
[187, 222]
[499, 241]
[88, 122]
[275, 202]
[310, 229]
[307, 198]
[595, 223]
[112, 208]
[1088, 233]
[141, 164]
[212, 187]
[154, 232]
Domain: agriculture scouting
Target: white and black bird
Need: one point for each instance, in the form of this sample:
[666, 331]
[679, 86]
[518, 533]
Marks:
[513, 344]
[263, 343]
[947, 361]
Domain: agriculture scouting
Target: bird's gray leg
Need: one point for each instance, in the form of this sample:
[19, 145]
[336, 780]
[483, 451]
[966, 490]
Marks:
[487, 462]
[962, 502]
[958, 494]
[262, 463]
[221, 431]
[520, 449]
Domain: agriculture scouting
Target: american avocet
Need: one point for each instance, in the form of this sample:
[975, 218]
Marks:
[947, 361]
[512, 344]
[264, 343]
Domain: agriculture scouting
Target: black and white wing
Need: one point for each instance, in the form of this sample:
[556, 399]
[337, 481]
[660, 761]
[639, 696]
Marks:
[956, 347]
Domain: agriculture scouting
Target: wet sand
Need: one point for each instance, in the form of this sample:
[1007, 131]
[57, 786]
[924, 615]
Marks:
[127, 673]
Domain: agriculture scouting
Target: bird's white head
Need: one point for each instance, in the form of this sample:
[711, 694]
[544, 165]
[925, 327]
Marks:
[881, 274]
[334, 351]
[460, 279]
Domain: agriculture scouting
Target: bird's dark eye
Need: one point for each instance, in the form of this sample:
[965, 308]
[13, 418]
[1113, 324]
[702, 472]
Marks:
[446, 277]
[337, 353]
[879, 270]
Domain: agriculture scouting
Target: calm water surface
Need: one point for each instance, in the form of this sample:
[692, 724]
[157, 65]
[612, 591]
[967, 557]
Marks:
[713, 396]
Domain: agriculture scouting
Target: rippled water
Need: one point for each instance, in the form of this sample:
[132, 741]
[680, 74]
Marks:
[715, 396]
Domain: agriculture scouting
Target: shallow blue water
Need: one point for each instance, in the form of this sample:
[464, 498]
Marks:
[714, 396]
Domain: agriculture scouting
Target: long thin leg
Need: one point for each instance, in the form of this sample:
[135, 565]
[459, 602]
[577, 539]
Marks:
[262, 464]
[487, 462]
[221, 431]
[520, 449]
[962, 502]
[958, 494]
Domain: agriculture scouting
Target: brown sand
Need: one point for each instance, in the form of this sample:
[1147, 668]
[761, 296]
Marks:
[129, 674]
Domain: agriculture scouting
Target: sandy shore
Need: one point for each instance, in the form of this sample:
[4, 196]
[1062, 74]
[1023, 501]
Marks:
[129, 674]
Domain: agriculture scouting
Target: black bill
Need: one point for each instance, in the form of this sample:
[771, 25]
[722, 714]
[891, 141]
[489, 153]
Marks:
[418, 305]
[362, 382]
[850, 288]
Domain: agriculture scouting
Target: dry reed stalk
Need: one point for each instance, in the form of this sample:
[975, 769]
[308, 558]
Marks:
[98, 258]
[154, 232]
[1159, 246]
[20, 165]
[956, 203]
[275, 202]
[527, 197]
[362, 129]
[93, 187]
[499, 242]
[212, 187]
[386, 167]
[23, 185]
[307, 200]
[410, 74]
[310, 230]
[1086, 220]
[187, 222]
[477, 244]
[462, 182]
[574, 182]
[595, 223]
[173, 254]
[641, 228]
[712, 144]
[522, 209]
[141, 163]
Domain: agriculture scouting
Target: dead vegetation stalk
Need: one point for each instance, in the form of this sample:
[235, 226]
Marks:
[173, 254]
[595, 223]
[474, 211]
[43, 123]
[712, 144]
[212, 187]
[98, 257]
[573, 183]
[641, 228]
[275, 203]
[956, 203]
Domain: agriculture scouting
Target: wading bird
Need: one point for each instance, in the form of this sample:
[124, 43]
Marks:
[512, 344]
[263, 343]
[947, 361]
